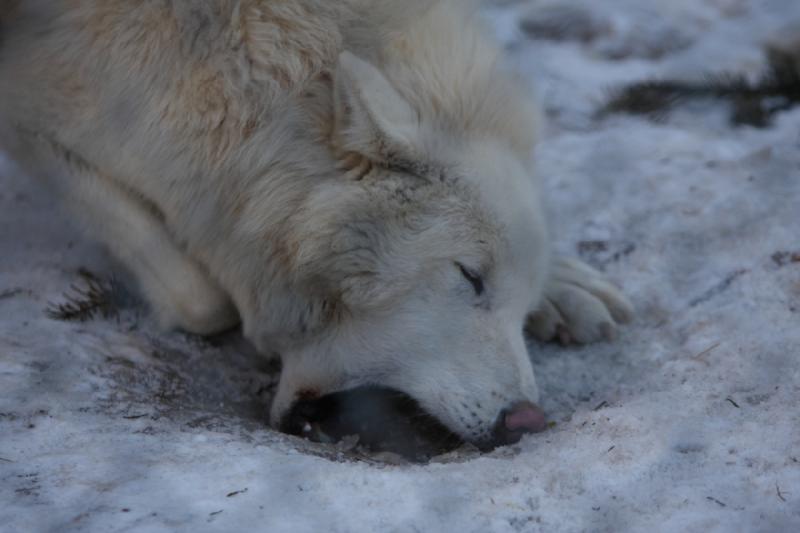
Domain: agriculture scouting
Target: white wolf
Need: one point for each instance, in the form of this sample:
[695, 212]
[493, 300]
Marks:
[352, 180]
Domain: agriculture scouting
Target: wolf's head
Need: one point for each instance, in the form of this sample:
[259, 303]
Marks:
[430, 252]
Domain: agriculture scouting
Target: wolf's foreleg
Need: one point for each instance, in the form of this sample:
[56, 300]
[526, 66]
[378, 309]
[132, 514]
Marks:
[181, 294]
[579, 305]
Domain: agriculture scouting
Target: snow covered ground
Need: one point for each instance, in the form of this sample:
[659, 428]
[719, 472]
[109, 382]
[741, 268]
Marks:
[690, 422]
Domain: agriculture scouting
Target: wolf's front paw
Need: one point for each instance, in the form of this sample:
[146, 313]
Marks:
[579, 306]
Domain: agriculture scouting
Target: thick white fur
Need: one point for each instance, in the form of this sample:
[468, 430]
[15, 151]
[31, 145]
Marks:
[317, 170]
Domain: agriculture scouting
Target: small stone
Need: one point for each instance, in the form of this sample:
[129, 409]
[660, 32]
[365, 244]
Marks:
[390, 458]
[348, 443]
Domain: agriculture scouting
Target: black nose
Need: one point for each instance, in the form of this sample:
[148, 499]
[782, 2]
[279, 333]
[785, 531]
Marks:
[520, 418]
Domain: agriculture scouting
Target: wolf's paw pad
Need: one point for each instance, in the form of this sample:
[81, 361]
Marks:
[579, 306]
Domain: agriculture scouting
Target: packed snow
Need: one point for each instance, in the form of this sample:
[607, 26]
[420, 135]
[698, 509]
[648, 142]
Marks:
[690, 421]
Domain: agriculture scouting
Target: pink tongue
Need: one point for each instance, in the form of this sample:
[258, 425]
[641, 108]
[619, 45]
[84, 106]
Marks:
[525, 417]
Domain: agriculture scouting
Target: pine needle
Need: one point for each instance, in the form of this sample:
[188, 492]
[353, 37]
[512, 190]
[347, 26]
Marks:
[87, 299]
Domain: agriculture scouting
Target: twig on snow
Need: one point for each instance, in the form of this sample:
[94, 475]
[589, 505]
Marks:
[779, 493]
[712, 499]
[699, 357]
[736, 405]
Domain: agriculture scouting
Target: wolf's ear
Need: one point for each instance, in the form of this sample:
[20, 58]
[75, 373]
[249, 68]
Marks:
[371, 118]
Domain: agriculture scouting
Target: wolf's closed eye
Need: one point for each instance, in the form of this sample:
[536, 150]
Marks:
[473, 277]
